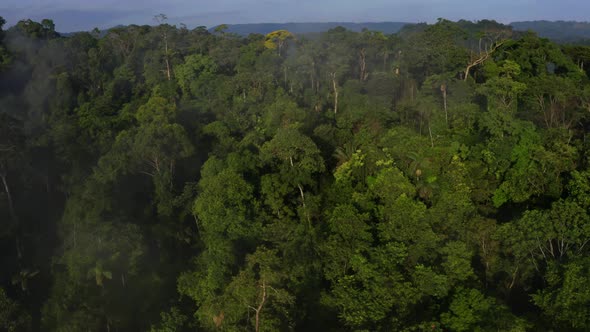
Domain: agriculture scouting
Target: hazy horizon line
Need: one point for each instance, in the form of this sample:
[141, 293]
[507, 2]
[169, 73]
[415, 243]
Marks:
[178, 21]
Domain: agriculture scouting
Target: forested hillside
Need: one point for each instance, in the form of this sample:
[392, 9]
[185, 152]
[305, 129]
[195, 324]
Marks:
[166, 179]
[303, 28]
[559, 31]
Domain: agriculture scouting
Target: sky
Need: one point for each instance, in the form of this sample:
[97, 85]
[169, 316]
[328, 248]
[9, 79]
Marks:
[77, 15]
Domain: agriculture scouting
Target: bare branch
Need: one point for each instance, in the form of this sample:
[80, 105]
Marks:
[6, 148]
[481, 57]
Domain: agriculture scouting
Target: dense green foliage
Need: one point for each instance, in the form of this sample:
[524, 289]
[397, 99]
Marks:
[166, 179]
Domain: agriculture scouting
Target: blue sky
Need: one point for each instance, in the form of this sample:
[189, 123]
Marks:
[72, 15]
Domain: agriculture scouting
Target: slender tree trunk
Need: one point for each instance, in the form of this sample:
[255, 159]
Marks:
[487, 263]
[302, 194]
[420, 123]
[363, 65]
[167, 60]
[19, 252]
[285, 71]
[541, 102]
[312, 75]
[75, 235]
[11, 210]
[443, 89]
[335, 86]
[259, 309]
[513, 278]
[466, 74]
[430, 132]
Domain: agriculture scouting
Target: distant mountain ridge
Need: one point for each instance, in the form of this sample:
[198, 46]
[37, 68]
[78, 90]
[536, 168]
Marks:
[559, 31]
[299, 28]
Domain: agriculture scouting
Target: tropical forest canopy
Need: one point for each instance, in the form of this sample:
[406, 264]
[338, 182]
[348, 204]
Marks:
[156, 178]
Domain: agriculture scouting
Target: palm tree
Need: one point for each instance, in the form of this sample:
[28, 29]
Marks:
[99, 274]
[417, 165]
[345, 152]
[23, 277]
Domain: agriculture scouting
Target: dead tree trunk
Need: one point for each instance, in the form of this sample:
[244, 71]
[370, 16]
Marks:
[481, 57]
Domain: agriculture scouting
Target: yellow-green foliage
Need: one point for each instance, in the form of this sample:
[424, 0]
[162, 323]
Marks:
[277, 38]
